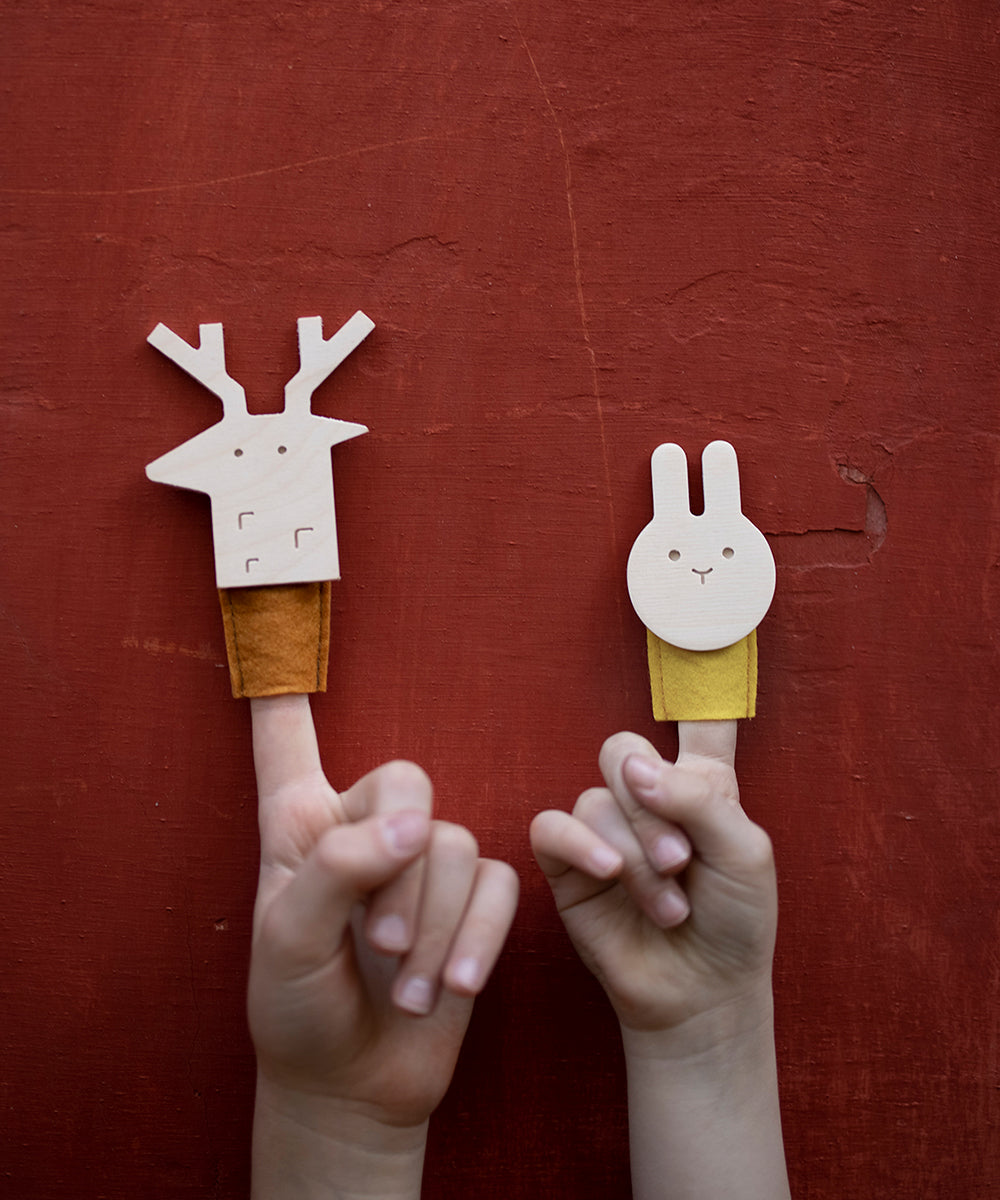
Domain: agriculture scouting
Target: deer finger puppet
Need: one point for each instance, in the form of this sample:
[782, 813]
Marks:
[270, 480]
[701, 584]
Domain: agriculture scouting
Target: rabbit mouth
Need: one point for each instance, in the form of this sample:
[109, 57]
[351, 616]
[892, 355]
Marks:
[695, 571]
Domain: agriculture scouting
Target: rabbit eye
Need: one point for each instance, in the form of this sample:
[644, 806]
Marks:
[728, 552]
[674, 555]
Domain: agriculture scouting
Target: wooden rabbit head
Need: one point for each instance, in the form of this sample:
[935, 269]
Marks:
[700, 582]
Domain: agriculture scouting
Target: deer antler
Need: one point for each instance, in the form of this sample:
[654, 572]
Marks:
[206, 363]
[318, 358]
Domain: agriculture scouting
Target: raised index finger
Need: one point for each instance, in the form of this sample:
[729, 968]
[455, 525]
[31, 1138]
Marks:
[296, 805]
[714, 740]
[284, 742]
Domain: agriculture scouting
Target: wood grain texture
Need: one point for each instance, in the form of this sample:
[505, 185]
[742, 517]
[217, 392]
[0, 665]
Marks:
[581, 231]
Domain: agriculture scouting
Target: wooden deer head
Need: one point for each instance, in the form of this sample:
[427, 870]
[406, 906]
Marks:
[269, 476]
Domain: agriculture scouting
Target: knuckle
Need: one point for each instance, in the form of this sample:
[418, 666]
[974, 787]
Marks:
[617, 747]
[759, 849]
[611, 743]
[453, 840]
[545, 824]
[592, 804]
[543, 833]
[721, 778]
[279, 935]
[501, 876]
[328, 853]
[405, 777]
[274, 929]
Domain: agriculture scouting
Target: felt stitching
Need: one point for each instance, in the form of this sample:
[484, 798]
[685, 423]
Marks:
[748, 649]
[326, 592]
[319, 632]
[655, 673]
[746, 668]
[236, 642]
[746, 674]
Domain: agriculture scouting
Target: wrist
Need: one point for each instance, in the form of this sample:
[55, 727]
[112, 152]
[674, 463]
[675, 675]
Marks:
[736, 1031]
[703, 1105]
[308, 1147]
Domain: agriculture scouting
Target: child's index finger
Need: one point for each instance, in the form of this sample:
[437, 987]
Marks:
[295, 803]
[707, 739]
[285, 750]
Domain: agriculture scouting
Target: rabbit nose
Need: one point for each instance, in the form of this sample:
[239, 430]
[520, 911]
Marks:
[695, 571]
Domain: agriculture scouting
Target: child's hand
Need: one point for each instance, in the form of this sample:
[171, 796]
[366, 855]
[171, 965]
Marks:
[668, 891]
[375, 926]
[665, 885]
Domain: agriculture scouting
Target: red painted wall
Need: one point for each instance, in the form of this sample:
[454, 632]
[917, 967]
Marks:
[581, 231]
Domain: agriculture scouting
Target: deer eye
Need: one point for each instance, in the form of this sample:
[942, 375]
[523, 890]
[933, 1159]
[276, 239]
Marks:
[674, 555]
[728, 552]
[282, 449]
[238, 453]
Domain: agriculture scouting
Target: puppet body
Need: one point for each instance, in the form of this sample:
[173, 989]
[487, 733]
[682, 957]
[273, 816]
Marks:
[274, 528]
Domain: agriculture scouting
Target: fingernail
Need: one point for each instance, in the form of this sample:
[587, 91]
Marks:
[671, 908]
[404, 832]
[416, 995]
[669, 851]
[390, 933]
[641, 773]
[604, 861]
[466, 974]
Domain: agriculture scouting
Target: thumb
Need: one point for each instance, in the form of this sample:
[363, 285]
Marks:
[304, 925]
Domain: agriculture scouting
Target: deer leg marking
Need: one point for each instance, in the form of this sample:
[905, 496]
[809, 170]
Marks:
[239, 519]
[302, 529]
[249, 561]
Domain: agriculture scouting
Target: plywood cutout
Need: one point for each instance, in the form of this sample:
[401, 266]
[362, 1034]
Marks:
[269, 476]
[700, 582]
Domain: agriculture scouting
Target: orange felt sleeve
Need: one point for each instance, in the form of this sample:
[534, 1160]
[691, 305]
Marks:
[277, 638]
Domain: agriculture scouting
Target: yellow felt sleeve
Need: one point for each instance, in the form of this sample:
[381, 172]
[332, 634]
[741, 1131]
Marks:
[277, 638]
[703, 685]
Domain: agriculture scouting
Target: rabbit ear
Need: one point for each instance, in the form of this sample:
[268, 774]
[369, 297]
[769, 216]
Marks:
[720, 474]
[670, 482]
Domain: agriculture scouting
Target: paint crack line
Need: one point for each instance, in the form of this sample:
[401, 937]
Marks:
[571, 213]
[581, 302]
[223, 180]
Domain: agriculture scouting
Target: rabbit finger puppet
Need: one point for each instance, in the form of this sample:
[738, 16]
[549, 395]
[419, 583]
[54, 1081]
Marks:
[701, 584]
[270, 480]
